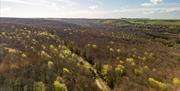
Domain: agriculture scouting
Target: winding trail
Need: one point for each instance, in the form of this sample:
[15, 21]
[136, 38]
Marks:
[99, 81]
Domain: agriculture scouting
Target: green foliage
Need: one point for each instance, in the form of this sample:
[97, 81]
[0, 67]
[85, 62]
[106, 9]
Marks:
[61, 56]
[50, 64]
[66, 70]
[60, 79]
[51, 46]
[111, 49]
[91, 45]
[106, 69]
[18, 81]
[138, 71]
[46, 52]
[105, 73]
[119, 69]
[146, 68]
[144, 58]
[130, 61]
[53, 49]
[67, 52]
[45, 33]
[158, 84]
[11, 50]
[45, 55]
[24, 55]
[154, 22]
[118, 50]
[43, 47]
[88, 45]
[141, 70]
[39, 86]
[176, 81]
[60, 86]
[94, 46]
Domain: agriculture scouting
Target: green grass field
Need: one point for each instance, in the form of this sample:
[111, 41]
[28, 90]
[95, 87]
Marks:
[154, 22]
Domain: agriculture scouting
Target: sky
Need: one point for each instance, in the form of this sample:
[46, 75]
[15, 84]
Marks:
[155, 9]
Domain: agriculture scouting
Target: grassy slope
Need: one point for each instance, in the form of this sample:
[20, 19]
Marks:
[154, 22]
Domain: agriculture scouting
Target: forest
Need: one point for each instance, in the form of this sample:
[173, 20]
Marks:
[64, 54]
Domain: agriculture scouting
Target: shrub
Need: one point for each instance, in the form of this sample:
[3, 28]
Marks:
[176, 81]
[45, 55]
[148, 55]
[53, 49]
[146, 68]
[59, 46]
[67, 52]
[11, 50]
[151, 55]
[60, 86]
[3, 33]
[39, 86]
[130, 61]
[157, 83]
[106, 69]
[143, 58]
[43, 47]
[60, 79]
[50, 64]
[34, 41]
[138, 71]
[65, 70]
[121, 62]
[118, 50]
[111, 49]
[61, 56]
[24, 55]
[119, 70]
[14, 66]
[88, 45]
[94, 46]
[105, 72]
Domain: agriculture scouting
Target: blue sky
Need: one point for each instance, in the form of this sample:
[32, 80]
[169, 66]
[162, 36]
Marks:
[157, 9]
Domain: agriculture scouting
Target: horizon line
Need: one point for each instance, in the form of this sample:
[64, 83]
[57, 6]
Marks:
[88, 18]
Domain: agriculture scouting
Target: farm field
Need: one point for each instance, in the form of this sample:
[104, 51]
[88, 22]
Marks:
[64, 54]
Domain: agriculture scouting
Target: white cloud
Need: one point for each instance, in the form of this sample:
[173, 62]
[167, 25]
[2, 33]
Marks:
[152, 3]
[67, 2]
[42, 2]
[97, 1]
[147, 4]
[155, 10]
[74, 9]
[120, 13]
[131, 12]
[5, 9]
[155, 2]
[93, 7]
